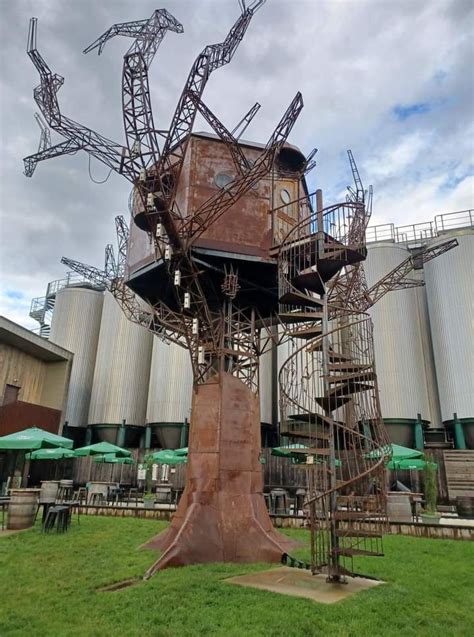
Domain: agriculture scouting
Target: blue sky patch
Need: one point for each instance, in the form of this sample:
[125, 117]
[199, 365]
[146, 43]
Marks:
[14, 294]
[404, 111]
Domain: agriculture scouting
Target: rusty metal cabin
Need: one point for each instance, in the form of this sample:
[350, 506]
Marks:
[242, 237]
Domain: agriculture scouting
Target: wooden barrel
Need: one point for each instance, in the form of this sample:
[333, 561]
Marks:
[399, 507]
[49, 491]
[22, 508]
[465, 506]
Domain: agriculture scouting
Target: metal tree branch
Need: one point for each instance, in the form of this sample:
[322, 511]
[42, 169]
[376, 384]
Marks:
[79, 137]
[211, 58]
[140, 132]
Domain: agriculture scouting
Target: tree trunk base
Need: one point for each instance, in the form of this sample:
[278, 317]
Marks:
[222, 516]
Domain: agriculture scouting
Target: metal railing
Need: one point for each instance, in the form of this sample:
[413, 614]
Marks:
[421, 232]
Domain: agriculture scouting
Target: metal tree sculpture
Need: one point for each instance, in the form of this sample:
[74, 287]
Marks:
[304, 287]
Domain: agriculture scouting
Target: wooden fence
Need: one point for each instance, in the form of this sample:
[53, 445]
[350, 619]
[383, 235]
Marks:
[277, 472]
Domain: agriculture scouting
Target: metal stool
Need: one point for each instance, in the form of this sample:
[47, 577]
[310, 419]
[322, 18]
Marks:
[64, 494]
[97, 499]
[80, 496]
[279, 501]
[59, 516]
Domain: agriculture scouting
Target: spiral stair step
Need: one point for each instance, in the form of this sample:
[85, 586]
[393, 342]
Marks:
[363, 376]
[334, 357]
[309, 281]
[331, 403]
[298, 298]
[348, 367]
[308, 332]
[313, 417]
[300, 429]
[299, 317]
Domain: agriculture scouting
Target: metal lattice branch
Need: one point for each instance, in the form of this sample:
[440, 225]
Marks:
[240, 128]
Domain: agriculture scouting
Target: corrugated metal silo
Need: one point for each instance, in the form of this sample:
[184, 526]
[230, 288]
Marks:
[170, 394]
[75, 325]
[450, 291]
[121, 376]
[398, 345]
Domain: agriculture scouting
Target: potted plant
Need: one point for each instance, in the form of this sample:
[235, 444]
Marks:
[149, 497]
[430, 515]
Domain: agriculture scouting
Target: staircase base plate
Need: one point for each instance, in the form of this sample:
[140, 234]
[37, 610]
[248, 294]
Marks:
[300, 583]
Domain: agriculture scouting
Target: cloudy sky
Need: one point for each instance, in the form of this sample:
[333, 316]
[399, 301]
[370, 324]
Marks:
[390, 79]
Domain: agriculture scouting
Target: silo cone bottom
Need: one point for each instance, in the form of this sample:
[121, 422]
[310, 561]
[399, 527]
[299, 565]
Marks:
[222, 516]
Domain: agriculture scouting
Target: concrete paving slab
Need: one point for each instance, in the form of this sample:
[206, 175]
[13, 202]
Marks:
[300, 583]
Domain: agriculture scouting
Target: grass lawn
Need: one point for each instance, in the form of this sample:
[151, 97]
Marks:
[48, 587]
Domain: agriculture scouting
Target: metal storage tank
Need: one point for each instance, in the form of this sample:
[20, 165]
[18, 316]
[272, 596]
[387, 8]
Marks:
[121, 377]
[450, 291]
[75, 326]
[399, 355]
[170, 394]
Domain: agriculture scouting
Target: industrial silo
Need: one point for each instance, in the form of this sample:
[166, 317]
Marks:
[450, 291]
[169, 395]
[398, 342]
[121, 377]
[75, 326]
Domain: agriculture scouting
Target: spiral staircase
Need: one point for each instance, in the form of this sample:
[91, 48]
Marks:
[328, 389]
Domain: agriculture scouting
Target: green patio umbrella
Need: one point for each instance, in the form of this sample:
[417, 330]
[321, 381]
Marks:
[103, 448]
[168, 456]
[113, 459]
[297, 453]
[33, 438]
[407, 464]
[397, 452]
[50, 454]
[288, 450]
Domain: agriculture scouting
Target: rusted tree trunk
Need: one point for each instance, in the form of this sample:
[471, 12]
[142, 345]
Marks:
[222, 516]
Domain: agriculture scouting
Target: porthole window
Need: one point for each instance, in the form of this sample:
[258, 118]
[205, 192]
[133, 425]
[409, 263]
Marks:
[223, 179]
[285, 195]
